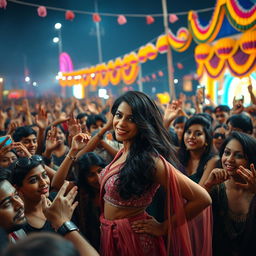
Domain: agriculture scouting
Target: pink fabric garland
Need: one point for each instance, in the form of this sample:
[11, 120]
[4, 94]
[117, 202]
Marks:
[69, 15]
[3, 4]
[41, 11]
[121, 20]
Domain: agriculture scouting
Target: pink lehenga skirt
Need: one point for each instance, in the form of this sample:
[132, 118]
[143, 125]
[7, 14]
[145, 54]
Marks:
[118, 239]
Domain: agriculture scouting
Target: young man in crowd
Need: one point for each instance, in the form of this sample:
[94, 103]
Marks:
[222, 113]
[59, 213]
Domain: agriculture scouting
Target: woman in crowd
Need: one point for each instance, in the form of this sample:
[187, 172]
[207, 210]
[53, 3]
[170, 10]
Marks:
[87, 213]
[61, 149]
[86, 171]
[130, 181]
[219, 134]
[6, 159]
[196, 147]
[31, 180]
[233, 189]
[85, 177]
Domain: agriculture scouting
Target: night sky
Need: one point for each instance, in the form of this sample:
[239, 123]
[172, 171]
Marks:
[26, 38]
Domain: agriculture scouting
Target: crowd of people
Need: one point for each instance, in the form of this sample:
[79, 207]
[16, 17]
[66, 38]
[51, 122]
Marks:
[128, 177]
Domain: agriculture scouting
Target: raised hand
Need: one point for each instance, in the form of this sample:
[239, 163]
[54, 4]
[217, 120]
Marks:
[51, 142]
[42, 118]
[250, 88]
[25, 106]
[109, 125]
[73, 126]
[21, 149]
[92, 108]
[13, 126]
[79, 141]
[249, 176]
[217, 176]
[172, 111]
[62, 208]
[3, 115]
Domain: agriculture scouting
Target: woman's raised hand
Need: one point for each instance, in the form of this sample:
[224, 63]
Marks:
[21, 149]
[109, 125]
[79, 141]
[51, 142]
[74, 127]
[249, 176]
[41, 118]
[217, 176]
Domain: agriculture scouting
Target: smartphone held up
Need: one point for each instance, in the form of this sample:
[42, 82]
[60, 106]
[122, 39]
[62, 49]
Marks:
[200, 92]
[5, 141]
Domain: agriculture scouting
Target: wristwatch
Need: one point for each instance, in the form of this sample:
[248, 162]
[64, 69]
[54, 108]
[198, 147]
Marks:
[67, 227]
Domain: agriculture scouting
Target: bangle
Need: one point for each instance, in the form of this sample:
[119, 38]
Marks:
[67, 227]
[73, 158]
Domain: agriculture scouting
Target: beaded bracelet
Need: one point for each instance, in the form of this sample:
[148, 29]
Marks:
[73, 158]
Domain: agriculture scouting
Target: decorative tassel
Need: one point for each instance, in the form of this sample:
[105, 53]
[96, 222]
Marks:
[96, 17]
[150, 19]
[41, 11]
[69, 15]
[121, 20]
[160, 73]
[179, 65]
[3, 4]
[173, 18]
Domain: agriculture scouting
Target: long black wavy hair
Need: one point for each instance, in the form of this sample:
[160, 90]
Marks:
[82, 170]
[151, 140]
[184, 154]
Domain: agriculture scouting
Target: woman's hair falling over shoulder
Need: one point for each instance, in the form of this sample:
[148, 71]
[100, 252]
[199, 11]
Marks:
[152, 139]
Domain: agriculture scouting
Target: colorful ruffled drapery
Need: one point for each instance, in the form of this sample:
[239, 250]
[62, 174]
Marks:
[238, 55]
[126, 69]
[240, 18]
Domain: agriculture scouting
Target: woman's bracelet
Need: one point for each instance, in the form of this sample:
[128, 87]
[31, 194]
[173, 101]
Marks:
[73, 158]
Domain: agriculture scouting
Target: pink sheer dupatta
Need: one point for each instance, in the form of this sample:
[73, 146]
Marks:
[187, 238]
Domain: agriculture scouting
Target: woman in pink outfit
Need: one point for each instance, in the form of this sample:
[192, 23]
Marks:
[130, 181]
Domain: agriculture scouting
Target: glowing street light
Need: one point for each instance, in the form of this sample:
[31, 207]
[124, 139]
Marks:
[58, 25]
[27, 79]
[58, 39]
[55, 40]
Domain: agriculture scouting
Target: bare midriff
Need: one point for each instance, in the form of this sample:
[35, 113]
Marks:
[112, 212]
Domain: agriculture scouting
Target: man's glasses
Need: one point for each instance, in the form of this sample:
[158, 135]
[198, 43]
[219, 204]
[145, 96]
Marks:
[24, 162]
[219, 135]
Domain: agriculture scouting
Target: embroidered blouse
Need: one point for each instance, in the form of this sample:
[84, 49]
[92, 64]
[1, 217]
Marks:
[112, 196]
